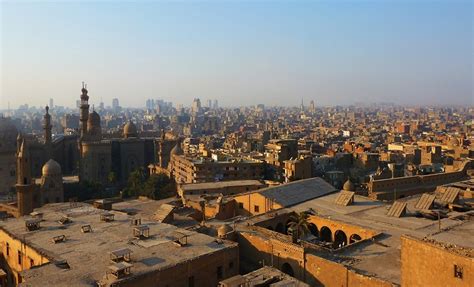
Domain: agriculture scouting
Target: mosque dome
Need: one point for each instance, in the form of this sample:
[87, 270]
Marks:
[223, 230]
[94, 119]
[51, 168]
[348, 186]
[130, 130]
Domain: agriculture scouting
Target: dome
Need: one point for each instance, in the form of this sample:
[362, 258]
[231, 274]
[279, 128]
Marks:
[130, 130]
[94, 119]
[51, 168]
[223, 230]
[348, 186]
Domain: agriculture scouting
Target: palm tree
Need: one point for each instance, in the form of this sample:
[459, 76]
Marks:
[299, 223]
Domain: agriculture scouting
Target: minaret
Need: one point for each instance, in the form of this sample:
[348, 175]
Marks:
[23, 165]
[47, 132]
[24, 187]
[84, 110]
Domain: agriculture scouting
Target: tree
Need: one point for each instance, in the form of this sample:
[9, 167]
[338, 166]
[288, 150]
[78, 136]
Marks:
[159, 186]
[298, 225]
[135, 183]
[112, 178]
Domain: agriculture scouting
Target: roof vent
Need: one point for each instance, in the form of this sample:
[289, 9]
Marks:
[65, 220]
[181, 239]
[32, 224]
[86, 228]
[107, 217]
[120, 255]
[136, 221]
[59, 238]
[141, 232]
[120, 270]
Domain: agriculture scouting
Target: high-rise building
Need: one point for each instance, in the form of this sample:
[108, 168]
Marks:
[51, 103]
[196, 107]
[209, 103]
[115, 104]
[216, 104]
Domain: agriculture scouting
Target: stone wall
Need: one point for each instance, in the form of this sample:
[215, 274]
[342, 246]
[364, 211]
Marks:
[426, 264]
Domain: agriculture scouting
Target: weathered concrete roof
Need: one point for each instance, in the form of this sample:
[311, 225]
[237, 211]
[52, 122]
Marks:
[298, 191]
[83, 250]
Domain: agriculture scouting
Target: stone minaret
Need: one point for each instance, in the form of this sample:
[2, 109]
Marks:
[24, 186]
[47, 132]
[84, 110]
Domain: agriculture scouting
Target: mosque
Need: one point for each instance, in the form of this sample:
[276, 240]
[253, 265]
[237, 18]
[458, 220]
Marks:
[34, 169]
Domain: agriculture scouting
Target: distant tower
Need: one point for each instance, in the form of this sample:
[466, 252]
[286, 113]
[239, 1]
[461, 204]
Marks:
[84, 110]
[24, 188]
[51, 103]
[312, 107]
[302, 105]
[47, 128]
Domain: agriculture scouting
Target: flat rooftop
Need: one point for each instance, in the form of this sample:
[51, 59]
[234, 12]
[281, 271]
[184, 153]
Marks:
[83, 250]
[381, 256]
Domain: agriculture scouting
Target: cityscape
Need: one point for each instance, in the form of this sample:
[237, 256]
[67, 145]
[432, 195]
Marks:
[110, 183]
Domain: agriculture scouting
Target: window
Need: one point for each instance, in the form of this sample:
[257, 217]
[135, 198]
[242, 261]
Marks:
[32, 262]
[191, 281]
[458, 271]
[241, 205]
[231, 265]
[256, 208]
[219, 272]
[8, 249]
[19, 257]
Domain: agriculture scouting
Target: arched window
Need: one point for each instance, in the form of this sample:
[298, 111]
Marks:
[354, 238]
[325, 234]
[313, 229]
[340, 239]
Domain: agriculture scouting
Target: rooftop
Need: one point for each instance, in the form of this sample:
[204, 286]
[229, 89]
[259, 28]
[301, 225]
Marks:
[84, 249]
[380, 256]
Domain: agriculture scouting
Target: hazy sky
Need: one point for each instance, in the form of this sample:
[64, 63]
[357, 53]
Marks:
[239, 52]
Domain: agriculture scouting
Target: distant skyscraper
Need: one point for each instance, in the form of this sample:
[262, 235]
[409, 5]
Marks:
[51, 103]
[196, 107]
[115, 103]
[312, 107]
[216, 104]
[78, 104]
[209, 104]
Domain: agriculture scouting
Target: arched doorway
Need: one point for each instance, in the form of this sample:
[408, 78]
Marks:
[280, 228]
[325, 234]
[354, 238]
[287, 269]
[313, 229]
[340, 239]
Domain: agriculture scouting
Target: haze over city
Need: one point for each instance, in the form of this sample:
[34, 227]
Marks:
[240, 53]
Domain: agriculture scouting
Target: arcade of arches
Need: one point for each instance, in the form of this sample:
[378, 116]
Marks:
[338, 233]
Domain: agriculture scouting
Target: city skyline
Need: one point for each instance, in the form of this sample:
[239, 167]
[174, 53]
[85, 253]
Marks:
[242, 54]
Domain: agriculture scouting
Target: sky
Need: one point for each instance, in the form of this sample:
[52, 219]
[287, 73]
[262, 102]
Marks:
[238, 52]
